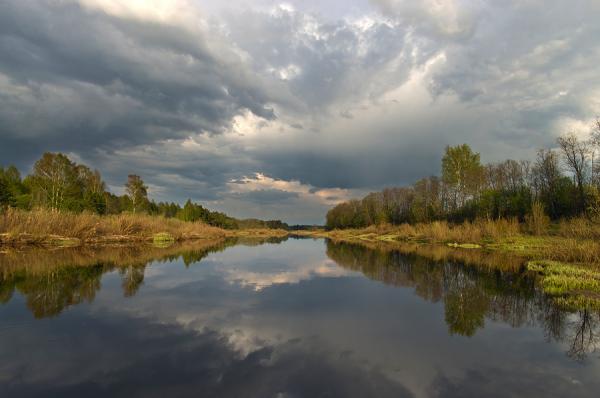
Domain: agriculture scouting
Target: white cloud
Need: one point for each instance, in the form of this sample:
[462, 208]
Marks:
[164, 11]
[439, 17]
[306, 192]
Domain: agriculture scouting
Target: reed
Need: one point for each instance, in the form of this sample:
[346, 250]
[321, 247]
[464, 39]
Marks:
[575, 240]
[441, 231]
[578, 228]
[46, 226]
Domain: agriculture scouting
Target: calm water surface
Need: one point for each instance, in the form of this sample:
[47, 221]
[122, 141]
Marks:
[299, 318]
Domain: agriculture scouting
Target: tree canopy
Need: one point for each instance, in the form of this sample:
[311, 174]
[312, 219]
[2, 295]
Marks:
[468, 190]
[60, 184]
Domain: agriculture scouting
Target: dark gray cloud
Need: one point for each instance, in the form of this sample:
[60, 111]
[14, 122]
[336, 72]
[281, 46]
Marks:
[397, 163]
[500, 76]
[78, 79]
[266, 196]
[210, 93]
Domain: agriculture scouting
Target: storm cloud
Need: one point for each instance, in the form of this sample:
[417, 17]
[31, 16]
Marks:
[78, 79]
[347, 96]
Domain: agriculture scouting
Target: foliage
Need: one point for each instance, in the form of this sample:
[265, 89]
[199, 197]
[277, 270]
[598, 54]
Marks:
[253, 223]
[59, 184]
[462, 174]
[468, 191]
[195, 212]
[6, 197]
[137, 192]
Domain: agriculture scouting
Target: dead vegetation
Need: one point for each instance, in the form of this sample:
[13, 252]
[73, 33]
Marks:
[47, 227]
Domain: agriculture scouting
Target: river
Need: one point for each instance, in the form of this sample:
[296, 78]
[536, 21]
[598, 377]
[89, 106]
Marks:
[285, 318]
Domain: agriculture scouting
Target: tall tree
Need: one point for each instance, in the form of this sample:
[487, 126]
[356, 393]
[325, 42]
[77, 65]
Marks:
[10, 186]
[137, 191]
[550, 186]
[426, 203]
[595, 148]
[462, 173]
[6, 197]
[92, 189]
[54, 177]
[192, 212]
[575, 153]
[91, 181]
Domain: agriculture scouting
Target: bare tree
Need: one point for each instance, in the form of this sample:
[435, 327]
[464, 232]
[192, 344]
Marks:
[576, 153]
[595, 146]
[527, 173]
[545, 171]
[584, 336]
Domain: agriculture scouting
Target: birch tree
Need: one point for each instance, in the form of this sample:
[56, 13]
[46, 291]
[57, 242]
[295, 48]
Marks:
[137, 191]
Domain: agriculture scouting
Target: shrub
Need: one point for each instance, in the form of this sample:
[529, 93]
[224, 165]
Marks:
[87, 226]
[537, 221]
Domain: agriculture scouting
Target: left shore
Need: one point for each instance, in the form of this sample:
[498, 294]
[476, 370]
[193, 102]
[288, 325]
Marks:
[51, 228]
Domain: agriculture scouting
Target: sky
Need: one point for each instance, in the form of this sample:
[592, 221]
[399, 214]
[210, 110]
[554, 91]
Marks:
[280, 110]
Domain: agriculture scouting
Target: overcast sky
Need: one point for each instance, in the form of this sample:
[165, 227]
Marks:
[280, 110]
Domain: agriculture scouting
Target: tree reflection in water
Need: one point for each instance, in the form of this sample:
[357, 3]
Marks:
[47, 295]
[52, 280]
[472, 293]
[583, 334]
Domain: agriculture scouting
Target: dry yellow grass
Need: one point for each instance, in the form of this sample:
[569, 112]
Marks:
[441, 231]
[41, 225]
[578, 228]
[575, 240]
[572, 250]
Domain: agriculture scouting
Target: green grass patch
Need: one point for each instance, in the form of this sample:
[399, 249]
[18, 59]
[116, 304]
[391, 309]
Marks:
[562, 279]
[465, 245]
[522, 244]
[163, 239]
[577, 302]
[387, 238]
[64, 242]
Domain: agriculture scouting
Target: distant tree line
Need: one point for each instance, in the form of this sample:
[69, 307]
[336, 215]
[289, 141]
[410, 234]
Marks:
[59, 184]
[565, 182]
[256, 223]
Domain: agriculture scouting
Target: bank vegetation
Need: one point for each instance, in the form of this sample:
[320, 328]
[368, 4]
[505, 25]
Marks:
[65, 203]
[546, 211]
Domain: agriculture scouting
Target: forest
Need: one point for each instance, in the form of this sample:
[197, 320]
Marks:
[59, 184]
[559, 183]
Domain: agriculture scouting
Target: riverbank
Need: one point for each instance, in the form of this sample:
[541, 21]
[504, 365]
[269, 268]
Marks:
[41, 227]
[566, 257]
[571, 241]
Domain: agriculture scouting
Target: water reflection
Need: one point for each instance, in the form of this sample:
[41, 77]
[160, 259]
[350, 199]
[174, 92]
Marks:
[298, 319]
[473, 293]
[52, 280]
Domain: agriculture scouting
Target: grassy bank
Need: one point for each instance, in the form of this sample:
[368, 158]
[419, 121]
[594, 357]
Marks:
[45, 227]
[576, 240]
[565, 255]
